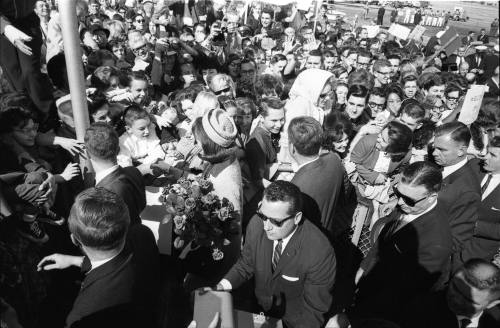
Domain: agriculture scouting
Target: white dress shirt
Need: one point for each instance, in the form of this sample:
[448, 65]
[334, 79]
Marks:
[474, 321]
[101, 175]
[296, 167]
[96, 264]
[494, 182]
[447, 170]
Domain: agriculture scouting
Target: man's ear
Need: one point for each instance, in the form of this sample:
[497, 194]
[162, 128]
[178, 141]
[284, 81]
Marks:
[298, 218]
[74, 240]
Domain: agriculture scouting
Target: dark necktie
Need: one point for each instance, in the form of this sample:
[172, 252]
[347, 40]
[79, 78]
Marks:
[464, 323]
[277, 254]
[486, 184]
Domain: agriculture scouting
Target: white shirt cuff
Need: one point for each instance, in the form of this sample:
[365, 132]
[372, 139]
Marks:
[226, 285]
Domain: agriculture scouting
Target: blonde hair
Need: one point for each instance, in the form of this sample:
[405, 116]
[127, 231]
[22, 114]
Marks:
[204, 102]
[218, 79]
[116, 29]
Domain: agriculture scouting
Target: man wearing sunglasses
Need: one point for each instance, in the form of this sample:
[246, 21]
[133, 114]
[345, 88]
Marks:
[411, 252]
[291, 260]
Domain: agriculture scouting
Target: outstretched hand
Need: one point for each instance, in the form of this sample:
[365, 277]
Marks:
[18, 39]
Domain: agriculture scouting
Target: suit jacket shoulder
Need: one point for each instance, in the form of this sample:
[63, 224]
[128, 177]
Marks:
[107, 286]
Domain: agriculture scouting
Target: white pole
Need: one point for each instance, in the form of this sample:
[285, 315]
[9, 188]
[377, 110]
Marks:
[74, 66]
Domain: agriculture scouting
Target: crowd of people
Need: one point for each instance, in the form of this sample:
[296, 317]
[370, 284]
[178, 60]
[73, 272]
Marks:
[365, 194]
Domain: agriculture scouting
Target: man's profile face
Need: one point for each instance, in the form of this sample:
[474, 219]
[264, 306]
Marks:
[491, 162]
[416, 194]
[278, 211]
[465, 299]
[446, 151]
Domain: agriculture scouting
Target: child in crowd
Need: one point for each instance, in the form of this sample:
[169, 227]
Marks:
[138, 143]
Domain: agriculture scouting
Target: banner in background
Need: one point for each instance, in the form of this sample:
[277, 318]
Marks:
[472, 104]
[372, 30]
[417, 33]
[399, 31]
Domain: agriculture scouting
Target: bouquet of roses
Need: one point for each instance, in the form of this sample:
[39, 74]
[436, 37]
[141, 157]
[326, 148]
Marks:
[200, 217]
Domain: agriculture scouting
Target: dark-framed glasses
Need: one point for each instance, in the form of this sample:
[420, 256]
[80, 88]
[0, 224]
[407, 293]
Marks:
[275, 222]
[227, 89]
[408, 201]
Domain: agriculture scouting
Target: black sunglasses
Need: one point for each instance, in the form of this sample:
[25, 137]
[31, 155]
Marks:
[408, 201]
[274, 222]
[222, 90]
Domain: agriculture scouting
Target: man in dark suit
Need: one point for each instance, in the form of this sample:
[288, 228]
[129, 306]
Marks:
[483, 37]
[471, 300]
[291, 260]
[486, 240]
[101, 142]
[380, 15]
[411, 252]
[461, 192]
[476, 62]
[98, 224]
[458, 58]
[320, 178]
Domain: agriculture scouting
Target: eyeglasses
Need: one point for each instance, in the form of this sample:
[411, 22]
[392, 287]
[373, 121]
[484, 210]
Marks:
[227, 89]
[452, 98]
[275, 222]
[408, 201]
[140, 50]
[235, 64]
[140, 21]
[373, 105]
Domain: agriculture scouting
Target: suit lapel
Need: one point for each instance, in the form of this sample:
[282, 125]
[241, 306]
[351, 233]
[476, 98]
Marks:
[289, 251]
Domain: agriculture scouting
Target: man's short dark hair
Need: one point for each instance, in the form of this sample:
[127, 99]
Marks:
[458, 132]
[99, 219]
[284, 191]
[379, 63]
[306, 135]
[432, 81]
[378, 92]
[475, 275]
[101, 142]
[315, 53]
[357, 90]
[364, 53]
[425, 174]
[413, 109]
[270, 103]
